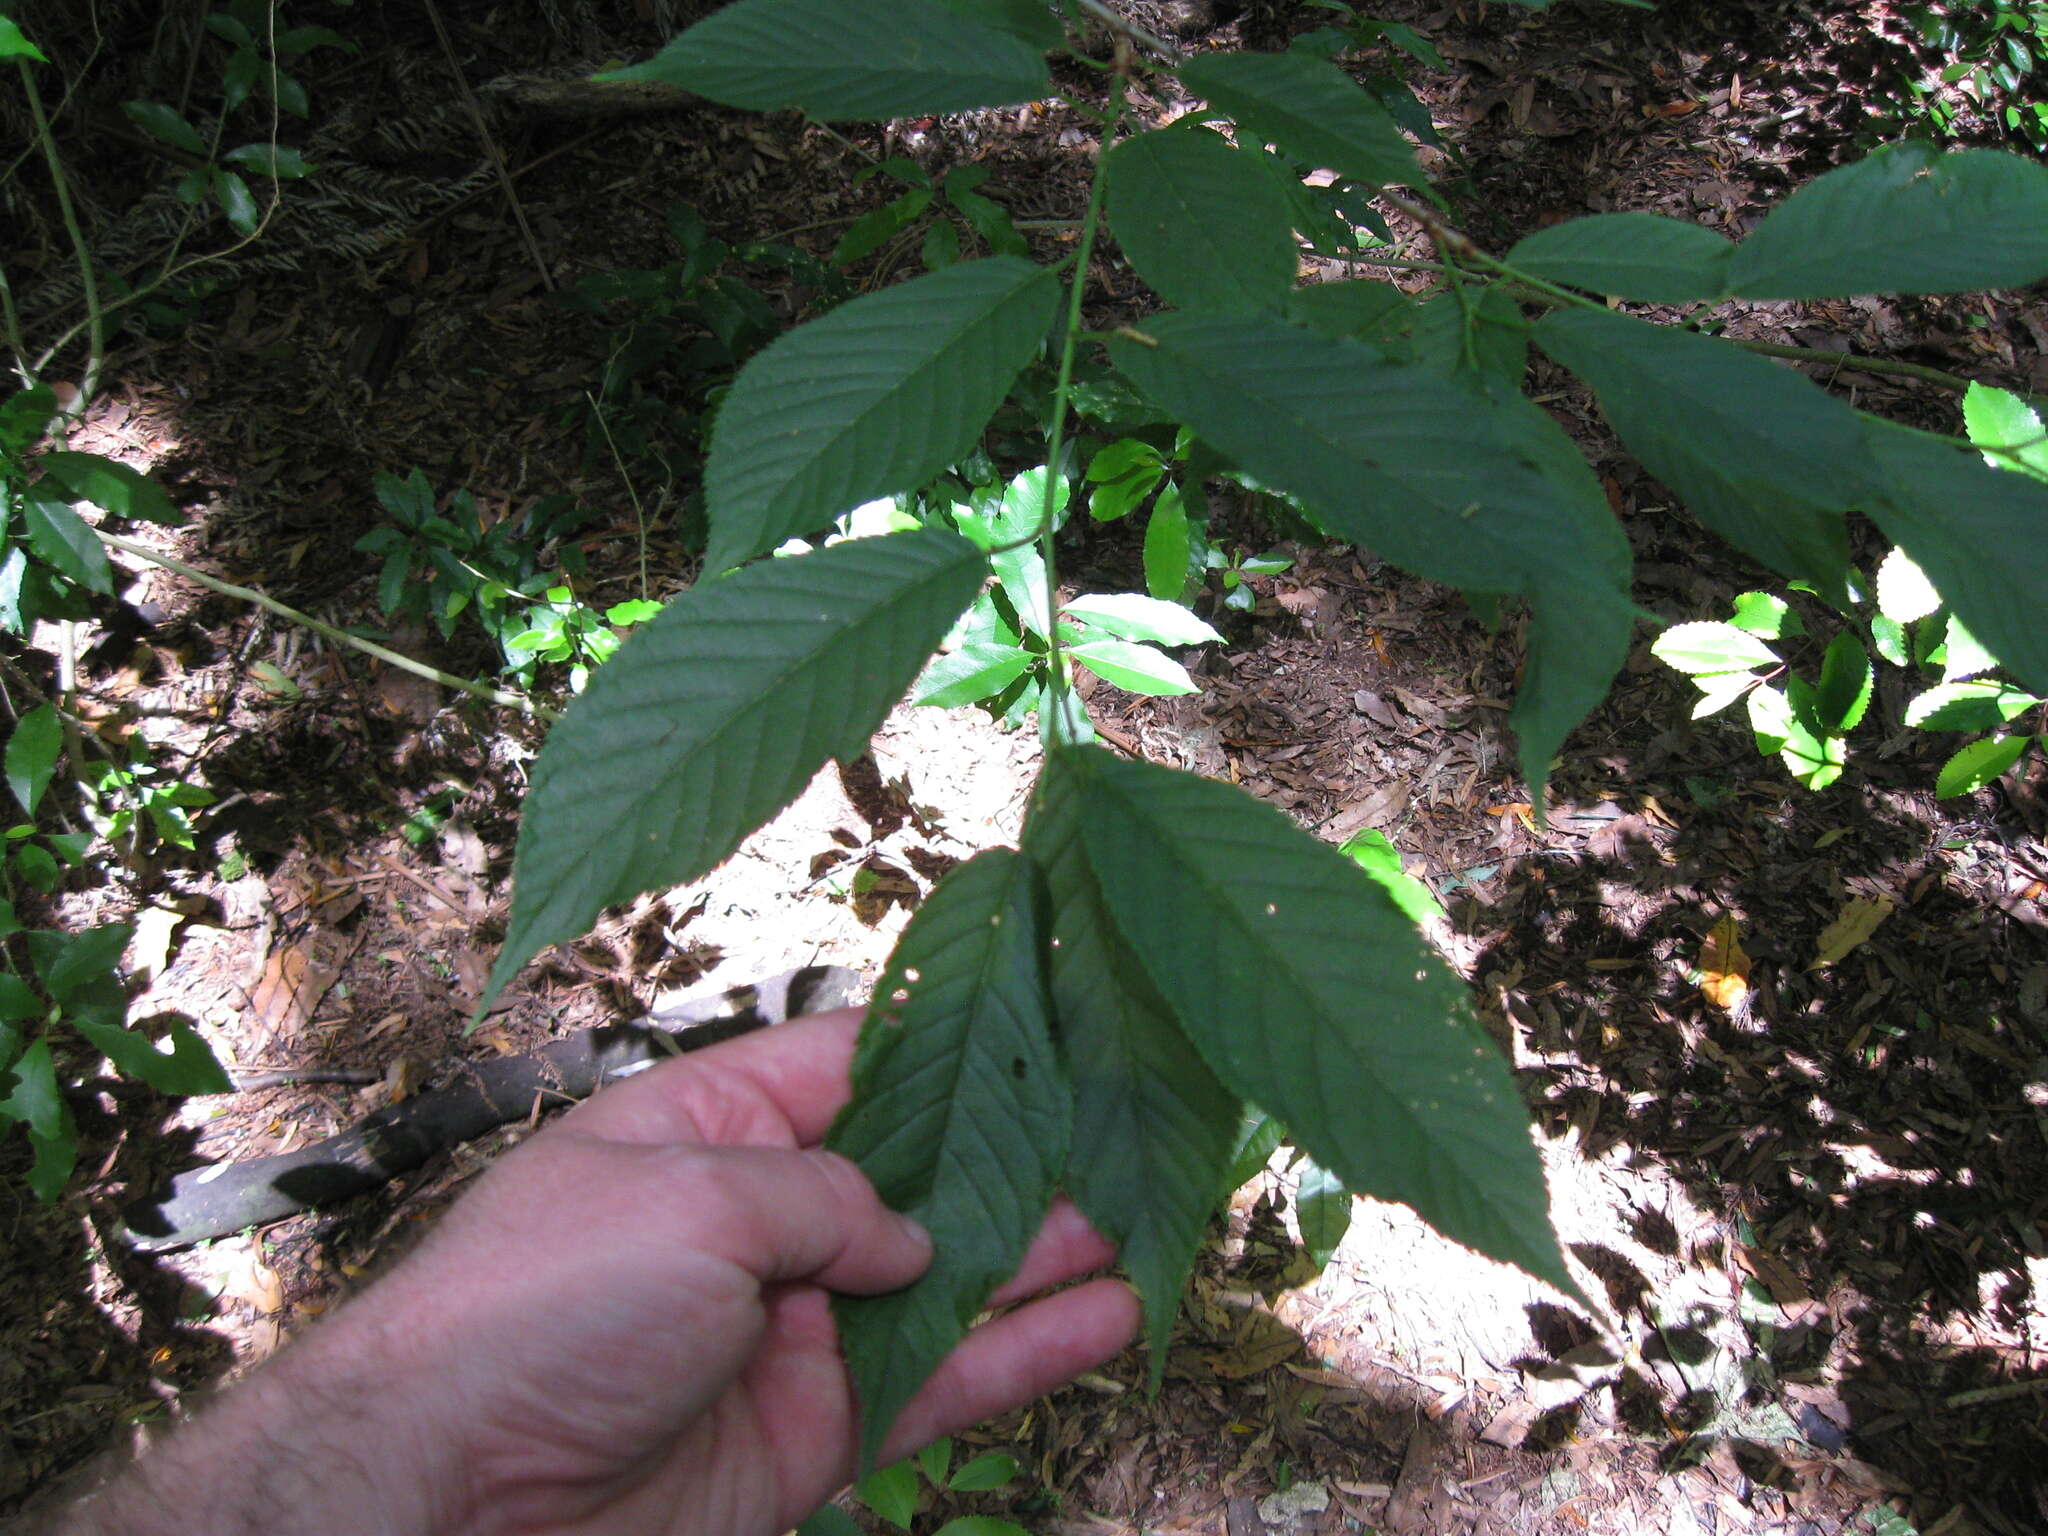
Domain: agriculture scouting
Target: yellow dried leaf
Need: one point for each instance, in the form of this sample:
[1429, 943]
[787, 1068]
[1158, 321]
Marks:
[1724, 966]
[1856, 922]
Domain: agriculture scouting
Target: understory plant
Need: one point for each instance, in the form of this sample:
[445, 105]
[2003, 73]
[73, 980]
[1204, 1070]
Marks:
[1093, 1010]
[1806, 721]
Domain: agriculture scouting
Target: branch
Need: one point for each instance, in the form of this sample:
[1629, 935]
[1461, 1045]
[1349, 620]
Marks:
[222, 1198]
[484, 691]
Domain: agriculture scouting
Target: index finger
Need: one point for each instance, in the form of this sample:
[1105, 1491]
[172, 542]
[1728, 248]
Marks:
[778, 1086]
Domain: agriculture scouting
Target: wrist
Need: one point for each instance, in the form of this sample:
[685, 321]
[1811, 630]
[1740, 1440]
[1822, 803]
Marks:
[323, 1439]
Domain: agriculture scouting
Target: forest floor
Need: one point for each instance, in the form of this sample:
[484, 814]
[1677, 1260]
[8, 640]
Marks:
[1815, 1205]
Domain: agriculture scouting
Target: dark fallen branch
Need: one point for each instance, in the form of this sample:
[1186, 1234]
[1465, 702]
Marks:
[222, 1198]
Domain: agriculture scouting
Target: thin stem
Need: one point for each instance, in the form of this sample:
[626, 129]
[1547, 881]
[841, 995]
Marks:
[1887, 365]
[96, 320]
[1132, 30]
[618, 459]
[484, 691]
[1062, 390]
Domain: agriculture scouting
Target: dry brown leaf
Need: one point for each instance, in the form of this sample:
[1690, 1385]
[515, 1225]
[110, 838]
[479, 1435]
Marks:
[1724, 966]
[1857, 921]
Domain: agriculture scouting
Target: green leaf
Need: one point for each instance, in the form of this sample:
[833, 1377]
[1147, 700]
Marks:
[1630, 256]
[1258, 1137]
[188, 1068]
[1308, 107]
[1813, 752]
[1888, 639]
[1374, 853]
[933, 1460]
[273, 160]
[1166, 547]
[830, 1520]
[1980, 535]
[1322, 1205]
[1484, 494]
[1134, 668]
[981, 1525]
[877, 396]
[1758, 453]
[960, 1116]
[1366, 309]
[1767, 615]
[1903, 591]
[25, 416]
[877, 227]
[38, 1103]
[985, 1472]
[32, 755]
[1309, 992]
[1846, 681]
[1488, 338]
[61, 538]
[1962, 655]
[1132, 617]
[1026, 19]
[68, 963]
[1153, 1129]
[111, 486]
[970, 674]
[891, 1492]
[237, 201]
[1710, 646]
[14, 44]
[1909, 219]
[1978, 705]
[1996, 418]
[1979, 764]
[1201, 221]
[713, 716]
[1122, 474]
[17, 999]
[165, 125]
[842, 59]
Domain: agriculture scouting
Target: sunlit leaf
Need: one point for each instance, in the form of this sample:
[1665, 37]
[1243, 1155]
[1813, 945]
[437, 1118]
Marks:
[1978, 705]
[1853, 925]
[1979, 764]
[1724, 965]
[1131, 616]
[1134, 668]
[970, 674]
[1999, 419]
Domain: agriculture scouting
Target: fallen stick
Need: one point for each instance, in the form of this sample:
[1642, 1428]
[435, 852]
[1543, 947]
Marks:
[223, 1198]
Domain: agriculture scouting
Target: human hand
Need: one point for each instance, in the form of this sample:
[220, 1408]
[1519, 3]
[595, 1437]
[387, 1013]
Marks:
[626, 1325]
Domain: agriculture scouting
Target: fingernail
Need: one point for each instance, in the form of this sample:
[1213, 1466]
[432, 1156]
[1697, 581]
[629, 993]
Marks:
[913, 1229]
